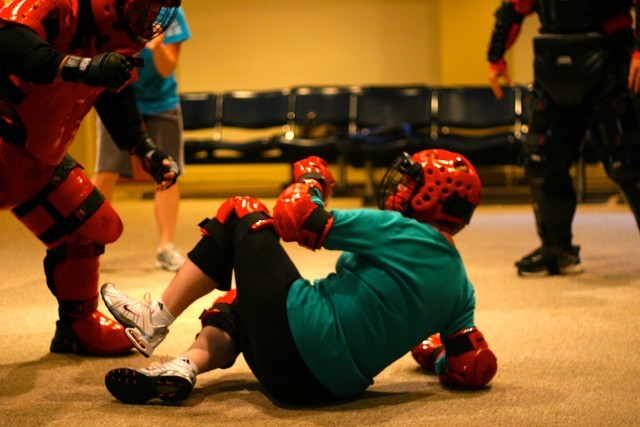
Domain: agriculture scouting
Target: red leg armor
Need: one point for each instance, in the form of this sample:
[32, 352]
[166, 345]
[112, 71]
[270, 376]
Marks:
[73, 220]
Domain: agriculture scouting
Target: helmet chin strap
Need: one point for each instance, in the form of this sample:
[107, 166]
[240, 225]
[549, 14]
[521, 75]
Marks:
[458, 207]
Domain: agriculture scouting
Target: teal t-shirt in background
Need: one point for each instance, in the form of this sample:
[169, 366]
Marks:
[155, 93]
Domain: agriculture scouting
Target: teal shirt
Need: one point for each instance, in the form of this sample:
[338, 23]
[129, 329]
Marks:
[156, 94]
[397, 282]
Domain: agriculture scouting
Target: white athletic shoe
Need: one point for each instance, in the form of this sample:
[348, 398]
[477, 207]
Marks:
[135, 316]
[169, 258]
[170, 382]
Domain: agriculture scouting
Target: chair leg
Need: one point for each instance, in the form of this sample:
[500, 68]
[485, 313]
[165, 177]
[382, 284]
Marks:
[369, 186]
[341, 184]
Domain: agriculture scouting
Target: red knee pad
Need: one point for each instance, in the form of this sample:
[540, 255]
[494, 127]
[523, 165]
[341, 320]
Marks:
[470, 361]
[220, 305]
[70, 206]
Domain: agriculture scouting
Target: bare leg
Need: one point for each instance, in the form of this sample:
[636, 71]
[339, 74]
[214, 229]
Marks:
[166, 209]
[106, 182]
[189, 284]
[212, 349]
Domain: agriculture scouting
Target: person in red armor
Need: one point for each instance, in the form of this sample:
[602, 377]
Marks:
[587, 76]
[58, 59]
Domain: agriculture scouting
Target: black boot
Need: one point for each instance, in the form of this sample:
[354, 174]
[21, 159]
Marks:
[550, 260]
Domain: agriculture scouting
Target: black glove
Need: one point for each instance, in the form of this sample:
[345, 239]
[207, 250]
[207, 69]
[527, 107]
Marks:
[152, 162]
[110, 70]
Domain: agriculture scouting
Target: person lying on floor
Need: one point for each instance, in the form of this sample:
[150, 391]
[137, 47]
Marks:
[399, 279]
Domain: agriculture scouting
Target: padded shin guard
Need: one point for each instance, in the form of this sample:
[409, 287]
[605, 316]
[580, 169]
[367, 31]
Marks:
[554, 208]
[72, 276]
[72, 271]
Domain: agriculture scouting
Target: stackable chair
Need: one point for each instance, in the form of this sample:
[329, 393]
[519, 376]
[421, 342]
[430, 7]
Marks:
[319, 118]
[386, 119]
[248, 126]
[198, 114]
[473, 122]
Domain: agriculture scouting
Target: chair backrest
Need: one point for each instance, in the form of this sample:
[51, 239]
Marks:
[474, 107]
[198, 110]
[324, 104]
[254, 109]
[390, 105]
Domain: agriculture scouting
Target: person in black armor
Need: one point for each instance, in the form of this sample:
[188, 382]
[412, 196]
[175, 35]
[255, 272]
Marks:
[587, 75]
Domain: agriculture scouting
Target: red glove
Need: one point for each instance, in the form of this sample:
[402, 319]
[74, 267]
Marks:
[428, 352]
[241, 206]
[298, 219]
[315, 171]
[470, 361]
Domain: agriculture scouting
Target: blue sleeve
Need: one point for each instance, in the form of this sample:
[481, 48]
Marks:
[179, 30]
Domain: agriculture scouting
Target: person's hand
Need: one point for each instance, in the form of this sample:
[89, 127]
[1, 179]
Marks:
[314, 171]
[162, 168]
[470, 362]
[297, 218]
[634, 72]
[110, 70]
[159, 165]
[155, 42]
[428, 352]
[498, 74]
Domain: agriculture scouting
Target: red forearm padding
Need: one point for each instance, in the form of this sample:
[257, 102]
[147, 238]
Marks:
[298, 219]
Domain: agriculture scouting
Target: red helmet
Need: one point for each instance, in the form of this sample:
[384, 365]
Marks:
[431, 185]
[141, 20]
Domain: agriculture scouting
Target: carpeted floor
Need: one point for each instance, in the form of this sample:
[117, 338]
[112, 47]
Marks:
[567, 346]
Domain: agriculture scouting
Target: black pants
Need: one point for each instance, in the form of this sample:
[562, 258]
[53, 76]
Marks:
[264, 273]
[611, 115]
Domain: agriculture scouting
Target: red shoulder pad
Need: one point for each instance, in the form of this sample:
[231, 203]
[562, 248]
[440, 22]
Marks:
[36, 13]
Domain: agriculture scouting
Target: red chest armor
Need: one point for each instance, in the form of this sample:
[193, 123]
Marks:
[52, 113]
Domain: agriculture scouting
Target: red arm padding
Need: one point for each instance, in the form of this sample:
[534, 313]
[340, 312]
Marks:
[297, 218]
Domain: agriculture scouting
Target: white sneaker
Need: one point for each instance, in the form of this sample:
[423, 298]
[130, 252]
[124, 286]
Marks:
[170, 382]
[169, 258]
[135, 316]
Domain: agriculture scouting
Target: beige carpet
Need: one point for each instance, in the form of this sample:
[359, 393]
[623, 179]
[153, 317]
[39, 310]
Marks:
[567, 346]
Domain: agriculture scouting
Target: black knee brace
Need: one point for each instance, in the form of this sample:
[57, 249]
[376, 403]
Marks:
[223, 315]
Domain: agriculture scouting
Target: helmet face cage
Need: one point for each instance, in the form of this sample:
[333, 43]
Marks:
[399, 184]
[146, 19]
